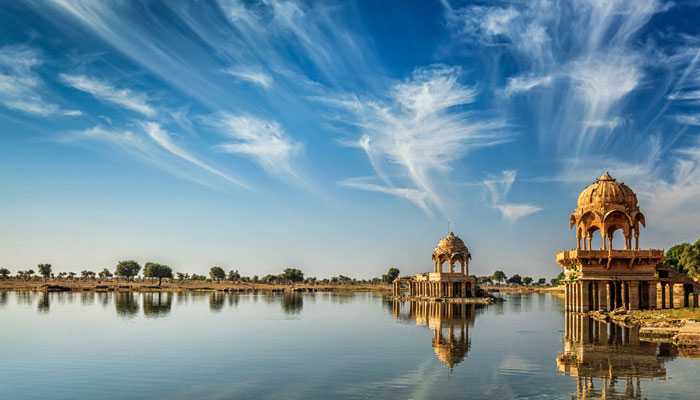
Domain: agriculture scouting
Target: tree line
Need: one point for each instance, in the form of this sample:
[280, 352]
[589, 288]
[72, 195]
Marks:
[499, 277]
[130, 270]
[685, 258]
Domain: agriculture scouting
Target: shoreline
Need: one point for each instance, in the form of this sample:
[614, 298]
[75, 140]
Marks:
[679, 326]
[77, 285]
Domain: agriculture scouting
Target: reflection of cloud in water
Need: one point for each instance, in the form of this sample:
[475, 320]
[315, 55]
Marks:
[415, 384]
[512, 364]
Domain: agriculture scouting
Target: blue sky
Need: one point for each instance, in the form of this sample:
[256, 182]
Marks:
[340, 137]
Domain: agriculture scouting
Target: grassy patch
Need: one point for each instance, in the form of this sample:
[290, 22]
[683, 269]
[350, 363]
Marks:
[676, 313]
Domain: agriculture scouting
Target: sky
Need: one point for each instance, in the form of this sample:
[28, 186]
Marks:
[338, 137]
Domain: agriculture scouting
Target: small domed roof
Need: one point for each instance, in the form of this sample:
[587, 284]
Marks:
[451, 244]
[450, 354]
[606, 191]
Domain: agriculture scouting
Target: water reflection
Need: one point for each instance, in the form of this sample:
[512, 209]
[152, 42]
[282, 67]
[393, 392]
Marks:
[216, 301]
[87, 298]
[104, 298]
[126, 304]
[157, 304]
[292, 303]
[609, 361]
[449, 323]
[3, 297]
[44, 304]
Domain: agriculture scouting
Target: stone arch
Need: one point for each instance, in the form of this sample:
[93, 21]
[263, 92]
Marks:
[615, 220]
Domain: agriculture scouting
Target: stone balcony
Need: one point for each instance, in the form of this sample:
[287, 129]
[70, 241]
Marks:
[568, 257]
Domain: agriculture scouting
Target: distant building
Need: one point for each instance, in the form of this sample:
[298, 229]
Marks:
[442, 283]
[606, 278]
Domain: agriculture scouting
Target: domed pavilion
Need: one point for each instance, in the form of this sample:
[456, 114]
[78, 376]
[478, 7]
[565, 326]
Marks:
[602, 277]
[449, 323]
[443, 282]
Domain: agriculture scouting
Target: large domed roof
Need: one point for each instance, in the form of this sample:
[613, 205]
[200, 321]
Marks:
[451, 244]
[606, 192]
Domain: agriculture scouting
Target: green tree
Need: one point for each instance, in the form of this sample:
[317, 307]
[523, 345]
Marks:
[542, 281]
[217, 273]
[556, 281]
[104, 274]
[391, 275]
[4, 273]
[292, 275]
[44, 270]
[127, 269]
[690, 260]
[29, 273]
[233, 275]
[499, 276]
[515, 280]
[527, 280]
[673, 256]
[155, 270]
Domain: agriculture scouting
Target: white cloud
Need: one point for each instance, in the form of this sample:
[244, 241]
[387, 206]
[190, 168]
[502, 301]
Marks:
[417, 197]
[592, 46]
[608, 124]
[688, 119]
[521, 84]
[498, 189]
[603, 82]
[163, 139]
[420, 128]
[264, 141]
[21, 88]
[124, 139]
[254, 76]
[101, 90]
[689, 95]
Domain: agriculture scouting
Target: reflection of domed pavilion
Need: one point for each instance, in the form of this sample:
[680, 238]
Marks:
[608, 278]
[448, 283]
[599, 355]
[449, 323]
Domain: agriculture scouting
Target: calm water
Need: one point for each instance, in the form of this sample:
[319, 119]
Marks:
[320, 346]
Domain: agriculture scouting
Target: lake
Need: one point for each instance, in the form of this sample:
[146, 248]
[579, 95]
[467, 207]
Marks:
[321, 346]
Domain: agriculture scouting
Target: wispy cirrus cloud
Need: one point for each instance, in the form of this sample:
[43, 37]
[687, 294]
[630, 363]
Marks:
[498, 188]
[520, 84]
[594, 57]
[21, 87]
[251, 75]
[419, 128]
[164, 140]
[370, 184]
[151, 143]
[263, 141]
[101, 90]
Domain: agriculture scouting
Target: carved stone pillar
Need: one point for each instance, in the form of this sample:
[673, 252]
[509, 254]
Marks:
[652, 295]
[585, 296]
[633, 294]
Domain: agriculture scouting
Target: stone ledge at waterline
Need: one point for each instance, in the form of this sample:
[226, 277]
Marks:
[122, 285]
[678, 326]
